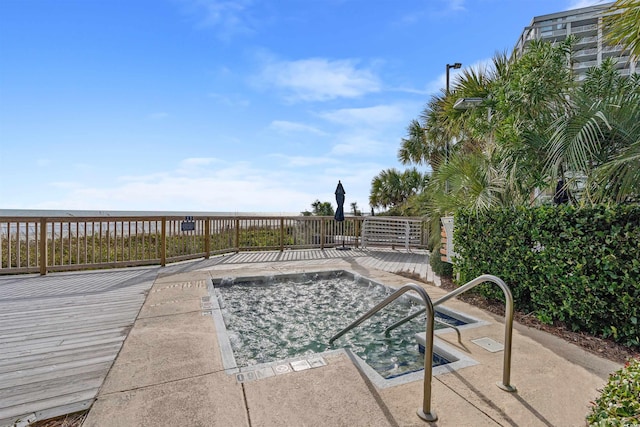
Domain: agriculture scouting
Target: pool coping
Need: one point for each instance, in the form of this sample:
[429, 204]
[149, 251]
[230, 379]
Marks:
[458, 360]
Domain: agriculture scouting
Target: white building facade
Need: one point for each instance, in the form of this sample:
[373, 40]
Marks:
[591, 48]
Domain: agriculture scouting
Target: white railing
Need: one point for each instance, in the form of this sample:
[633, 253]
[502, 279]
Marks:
[394, 231]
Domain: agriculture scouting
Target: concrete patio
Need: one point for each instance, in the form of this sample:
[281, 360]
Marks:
[170, 372]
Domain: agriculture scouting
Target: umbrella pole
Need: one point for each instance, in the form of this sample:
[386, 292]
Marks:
[343, 247]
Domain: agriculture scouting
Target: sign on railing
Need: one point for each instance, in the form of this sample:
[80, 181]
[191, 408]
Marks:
[188, 224]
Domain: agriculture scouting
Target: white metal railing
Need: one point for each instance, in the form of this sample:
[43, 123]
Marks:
[586, 52]
[394, 231]
[586, 64]
[584, 28]
[587, 40]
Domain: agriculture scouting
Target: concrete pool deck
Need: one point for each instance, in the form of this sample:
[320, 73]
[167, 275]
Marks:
[170, 372]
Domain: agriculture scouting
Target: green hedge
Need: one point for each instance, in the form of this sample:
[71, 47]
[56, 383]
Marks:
[441, 268]
[578, 266]
[619, 402]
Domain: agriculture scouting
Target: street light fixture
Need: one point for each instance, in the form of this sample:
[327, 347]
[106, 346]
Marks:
[455, 66]
[466, 103]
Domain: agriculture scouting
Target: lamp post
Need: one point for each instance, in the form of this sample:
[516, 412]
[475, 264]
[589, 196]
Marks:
[455, 66]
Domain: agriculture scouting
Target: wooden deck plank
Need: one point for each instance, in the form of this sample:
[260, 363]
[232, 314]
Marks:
[41, 390]
[50, 407]
[58, 357]
[60, 333]
[42, 374]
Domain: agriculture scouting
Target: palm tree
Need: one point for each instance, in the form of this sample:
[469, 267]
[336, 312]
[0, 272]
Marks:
[599, 140]
[393, 189]
[622, 25]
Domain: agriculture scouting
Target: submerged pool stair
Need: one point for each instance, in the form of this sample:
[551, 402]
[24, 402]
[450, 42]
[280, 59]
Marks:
[425, 413]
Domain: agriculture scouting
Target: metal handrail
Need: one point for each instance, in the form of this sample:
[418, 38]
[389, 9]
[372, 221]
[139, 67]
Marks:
[387, 332]
[425, 412]
[508, 320]
[448, 325]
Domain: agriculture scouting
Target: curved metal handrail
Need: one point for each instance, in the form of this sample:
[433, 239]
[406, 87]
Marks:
[425, 412]
[508, 316]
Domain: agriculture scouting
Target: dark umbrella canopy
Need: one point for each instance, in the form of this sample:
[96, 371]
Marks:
[339, 216]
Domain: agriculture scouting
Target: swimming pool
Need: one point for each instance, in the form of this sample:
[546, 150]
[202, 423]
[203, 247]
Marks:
[287, 316]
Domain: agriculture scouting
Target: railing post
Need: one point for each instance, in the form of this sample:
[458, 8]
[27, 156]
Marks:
[207, 237]
[356, 227]
[163, 242]
[281, 234]
[43, 246]
[237, 235]
[322, 233]
[425, 413]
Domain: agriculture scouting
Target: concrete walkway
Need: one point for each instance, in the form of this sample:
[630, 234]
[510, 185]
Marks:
[61, 333]
[170, 371]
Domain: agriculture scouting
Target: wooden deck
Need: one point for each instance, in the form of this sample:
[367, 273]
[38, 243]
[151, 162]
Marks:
[59, 334]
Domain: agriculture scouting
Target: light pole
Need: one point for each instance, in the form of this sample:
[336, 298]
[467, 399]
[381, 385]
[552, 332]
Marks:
[455, 66]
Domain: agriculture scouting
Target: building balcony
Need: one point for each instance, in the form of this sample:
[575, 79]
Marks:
[584, 65]
[586, 54]
[591, 28]
[585, 42]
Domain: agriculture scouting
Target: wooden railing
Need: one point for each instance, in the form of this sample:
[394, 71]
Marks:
[45, 244]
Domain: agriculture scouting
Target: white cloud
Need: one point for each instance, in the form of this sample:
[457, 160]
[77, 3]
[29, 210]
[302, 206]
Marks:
[284, 126]
[379, 115]
[319, 79]
[197, 161]
[303, 161]
[359, 144]
[577, 4]
[232, 100]
[457, 5]
[231, 187]
[227, 17]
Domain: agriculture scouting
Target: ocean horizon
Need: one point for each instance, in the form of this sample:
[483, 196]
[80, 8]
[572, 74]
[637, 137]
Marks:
[70, 213]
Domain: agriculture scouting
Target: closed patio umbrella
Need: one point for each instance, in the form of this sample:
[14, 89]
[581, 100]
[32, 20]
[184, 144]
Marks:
[339, 216]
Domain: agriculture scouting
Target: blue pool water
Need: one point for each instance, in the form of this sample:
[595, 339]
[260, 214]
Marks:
[284, 317]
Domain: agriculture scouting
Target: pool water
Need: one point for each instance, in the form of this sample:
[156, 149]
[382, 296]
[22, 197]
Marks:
[279, 318]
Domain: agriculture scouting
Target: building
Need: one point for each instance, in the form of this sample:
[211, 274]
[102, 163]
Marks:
[586, 24]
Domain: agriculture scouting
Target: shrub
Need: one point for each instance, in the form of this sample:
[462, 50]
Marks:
[619, 402]
[441, 268]
[576, 266]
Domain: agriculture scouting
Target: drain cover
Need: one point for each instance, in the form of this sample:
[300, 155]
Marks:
[300, 365]
[316, 362]
[489, 344]
[282, 369]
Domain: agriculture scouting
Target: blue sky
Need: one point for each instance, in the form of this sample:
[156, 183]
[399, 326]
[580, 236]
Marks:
[225, 105]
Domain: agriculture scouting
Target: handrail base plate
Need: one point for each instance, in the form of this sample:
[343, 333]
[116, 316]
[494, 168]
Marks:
[509, 388]
[430, 417]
